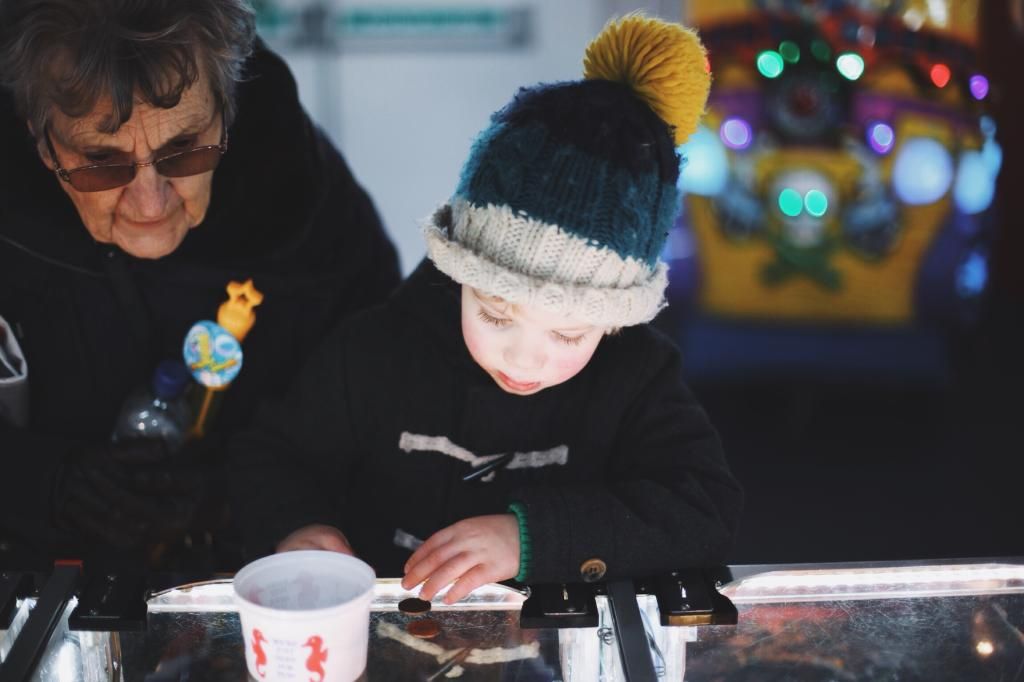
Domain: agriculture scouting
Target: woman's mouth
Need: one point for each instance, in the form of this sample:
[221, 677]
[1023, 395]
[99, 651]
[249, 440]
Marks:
[143, 224]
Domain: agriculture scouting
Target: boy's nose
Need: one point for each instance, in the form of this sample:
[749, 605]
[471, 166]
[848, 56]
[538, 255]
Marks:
[525, 357]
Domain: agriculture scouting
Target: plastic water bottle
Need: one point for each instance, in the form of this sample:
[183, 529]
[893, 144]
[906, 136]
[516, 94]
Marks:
[159, 410]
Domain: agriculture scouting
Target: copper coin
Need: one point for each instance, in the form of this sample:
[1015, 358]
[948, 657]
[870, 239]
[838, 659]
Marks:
[413, 605]
[424, 628]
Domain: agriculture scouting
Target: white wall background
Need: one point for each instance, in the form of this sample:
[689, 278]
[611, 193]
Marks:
[405, 120]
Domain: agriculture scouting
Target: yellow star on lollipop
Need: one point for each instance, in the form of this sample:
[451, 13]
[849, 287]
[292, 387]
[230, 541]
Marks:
[236, 314]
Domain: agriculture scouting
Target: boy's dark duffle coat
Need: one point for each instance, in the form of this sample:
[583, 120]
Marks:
[376, 436]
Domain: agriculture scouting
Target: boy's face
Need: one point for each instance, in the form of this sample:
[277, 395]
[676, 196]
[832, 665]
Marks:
[524, 350]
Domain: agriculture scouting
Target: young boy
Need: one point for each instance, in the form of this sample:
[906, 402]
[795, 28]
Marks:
[509, 406]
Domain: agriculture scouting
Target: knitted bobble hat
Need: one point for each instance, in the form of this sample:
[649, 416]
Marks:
[567, 197]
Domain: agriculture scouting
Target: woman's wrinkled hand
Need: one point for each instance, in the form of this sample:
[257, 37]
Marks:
[470, 553]
[316, 536]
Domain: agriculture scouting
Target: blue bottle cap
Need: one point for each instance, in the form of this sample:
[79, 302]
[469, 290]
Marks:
[169, 379]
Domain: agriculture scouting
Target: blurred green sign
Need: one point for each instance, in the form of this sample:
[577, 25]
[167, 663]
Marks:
[375, 27]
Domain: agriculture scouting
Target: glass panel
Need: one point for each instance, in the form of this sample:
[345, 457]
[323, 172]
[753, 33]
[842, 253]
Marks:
[193, 633]
[77, 656]
[910, 624]
[887, 623]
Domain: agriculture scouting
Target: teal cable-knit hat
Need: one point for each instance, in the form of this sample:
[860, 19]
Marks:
[567, 197]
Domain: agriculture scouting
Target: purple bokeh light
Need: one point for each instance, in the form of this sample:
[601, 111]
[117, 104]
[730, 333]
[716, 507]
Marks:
[881, 137]
[979, 86]
[736, 133]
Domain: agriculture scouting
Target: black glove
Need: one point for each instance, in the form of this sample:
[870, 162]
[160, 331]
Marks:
[127, 494]
[189, 484]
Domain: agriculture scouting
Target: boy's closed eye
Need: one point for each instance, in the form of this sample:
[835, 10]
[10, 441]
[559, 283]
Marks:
[570, 340]
[491, 319]
[501, 322]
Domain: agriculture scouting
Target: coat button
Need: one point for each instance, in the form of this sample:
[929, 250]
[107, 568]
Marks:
[592, 570]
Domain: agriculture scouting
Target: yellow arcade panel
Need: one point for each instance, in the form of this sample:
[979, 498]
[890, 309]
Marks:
[844, 168]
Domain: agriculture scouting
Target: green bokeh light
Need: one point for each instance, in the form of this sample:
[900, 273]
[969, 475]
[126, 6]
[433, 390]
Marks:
[770, 64]
[816, 203]
[851, 65]
[790, 51]
[790, 202]
[821, 51]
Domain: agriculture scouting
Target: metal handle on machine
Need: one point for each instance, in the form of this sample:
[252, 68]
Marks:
[42, 620]
[13, 586]
[637, 664]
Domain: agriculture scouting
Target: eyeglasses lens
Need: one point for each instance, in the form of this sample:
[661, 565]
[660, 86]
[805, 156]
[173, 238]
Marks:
[192, 162]
[100, 178]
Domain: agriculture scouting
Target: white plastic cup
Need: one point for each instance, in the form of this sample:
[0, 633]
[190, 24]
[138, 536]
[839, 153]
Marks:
[305, 616]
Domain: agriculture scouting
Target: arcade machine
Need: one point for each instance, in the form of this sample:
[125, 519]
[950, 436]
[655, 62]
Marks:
[934, 622]
[836, 216]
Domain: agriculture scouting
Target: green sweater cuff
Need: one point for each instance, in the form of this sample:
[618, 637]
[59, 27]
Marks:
[525, 548]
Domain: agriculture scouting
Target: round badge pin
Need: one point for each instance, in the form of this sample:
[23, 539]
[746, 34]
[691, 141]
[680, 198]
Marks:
[212, 354]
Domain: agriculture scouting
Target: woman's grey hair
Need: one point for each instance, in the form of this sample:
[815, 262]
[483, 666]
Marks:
[70, 53]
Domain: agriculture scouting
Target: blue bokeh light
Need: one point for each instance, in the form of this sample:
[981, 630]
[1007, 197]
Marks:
[975, 184]
[706, 166]
[922, 172]
[993, 155]
[987, 125]
[972, 275]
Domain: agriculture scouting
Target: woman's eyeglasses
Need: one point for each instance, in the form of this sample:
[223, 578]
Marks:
[100, 177]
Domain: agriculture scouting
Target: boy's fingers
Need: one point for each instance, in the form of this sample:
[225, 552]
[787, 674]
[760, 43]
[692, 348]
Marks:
[433, 542]
[470, 580]
[445, 575]
[420, 570]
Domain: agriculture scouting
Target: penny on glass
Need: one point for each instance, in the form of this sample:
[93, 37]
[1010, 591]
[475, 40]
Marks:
[413, 605]
[424, 628]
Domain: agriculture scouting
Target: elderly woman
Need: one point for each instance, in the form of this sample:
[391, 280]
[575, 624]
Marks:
[151, 152]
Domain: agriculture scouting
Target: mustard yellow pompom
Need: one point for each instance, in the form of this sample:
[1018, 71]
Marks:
[664, 63]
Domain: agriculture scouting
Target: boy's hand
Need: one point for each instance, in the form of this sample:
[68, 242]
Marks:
[472, 552]
[316, 536]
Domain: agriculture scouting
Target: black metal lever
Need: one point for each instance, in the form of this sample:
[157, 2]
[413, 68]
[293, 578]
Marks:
[568, 605]
[637, 663]
[13, 586]
[42, 620]
[688, 597]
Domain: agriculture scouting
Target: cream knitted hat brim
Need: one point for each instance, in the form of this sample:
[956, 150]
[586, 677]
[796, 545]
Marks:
[543, 266]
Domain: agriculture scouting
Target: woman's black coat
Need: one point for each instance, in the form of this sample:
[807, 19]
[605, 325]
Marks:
[94, 321]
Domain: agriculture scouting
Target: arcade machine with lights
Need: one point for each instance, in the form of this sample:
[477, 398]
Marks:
[836, 203]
